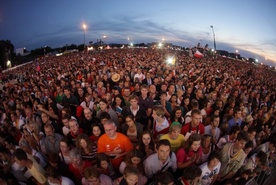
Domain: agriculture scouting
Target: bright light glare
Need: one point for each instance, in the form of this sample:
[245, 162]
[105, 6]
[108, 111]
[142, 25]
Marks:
[170, 60]
[131, 44]
[160, 45]
[237, 51]
[90, 48]
[9, 63]
[84, 26]
[256, 60]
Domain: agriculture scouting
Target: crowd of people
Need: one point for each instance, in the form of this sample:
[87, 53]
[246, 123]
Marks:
[128, 117]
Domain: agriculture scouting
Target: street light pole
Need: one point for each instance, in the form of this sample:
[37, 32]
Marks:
[214, 37]
[84, 29]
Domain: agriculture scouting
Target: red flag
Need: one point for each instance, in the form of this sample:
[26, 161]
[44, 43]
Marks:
[198, 54]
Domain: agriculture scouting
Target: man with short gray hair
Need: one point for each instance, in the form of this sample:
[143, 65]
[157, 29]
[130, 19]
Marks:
[115, 144]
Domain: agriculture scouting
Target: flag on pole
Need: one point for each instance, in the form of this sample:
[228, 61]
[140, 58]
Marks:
[198, 54]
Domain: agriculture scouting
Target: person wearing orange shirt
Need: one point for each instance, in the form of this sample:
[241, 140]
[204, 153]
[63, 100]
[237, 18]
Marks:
[114, 144]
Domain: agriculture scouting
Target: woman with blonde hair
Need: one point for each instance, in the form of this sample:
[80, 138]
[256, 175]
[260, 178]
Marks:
[33, 134]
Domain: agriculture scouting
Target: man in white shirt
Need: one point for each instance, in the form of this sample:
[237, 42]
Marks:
[163, 160]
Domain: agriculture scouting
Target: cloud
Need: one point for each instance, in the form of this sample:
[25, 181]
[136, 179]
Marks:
[141, 29]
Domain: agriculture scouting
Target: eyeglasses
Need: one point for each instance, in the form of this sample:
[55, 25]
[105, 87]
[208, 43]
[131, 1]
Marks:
[108, 130]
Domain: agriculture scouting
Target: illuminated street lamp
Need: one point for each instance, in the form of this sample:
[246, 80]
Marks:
[104, 38]
[84, 29]
[214, 37]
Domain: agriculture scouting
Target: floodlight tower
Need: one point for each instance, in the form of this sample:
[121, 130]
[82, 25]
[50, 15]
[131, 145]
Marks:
[214, 37]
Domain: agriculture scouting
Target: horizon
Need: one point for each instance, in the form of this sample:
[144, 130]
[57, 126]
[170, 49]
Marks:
[247, 28]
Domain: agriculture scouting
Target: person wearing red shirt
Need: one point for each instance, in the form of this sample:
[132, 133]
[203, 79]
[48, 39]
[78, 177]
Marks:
[195, 126]
[78, 165]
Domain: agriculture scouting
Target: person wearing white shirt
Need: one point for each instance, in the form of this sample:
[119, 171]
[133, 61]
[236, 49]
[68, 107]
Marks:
[53, 177]
[210, 169]
[163, 160]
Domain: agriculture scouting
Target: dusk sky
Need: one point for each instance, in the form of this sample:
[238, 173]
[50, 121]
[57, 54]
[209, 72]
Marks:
[248, 26]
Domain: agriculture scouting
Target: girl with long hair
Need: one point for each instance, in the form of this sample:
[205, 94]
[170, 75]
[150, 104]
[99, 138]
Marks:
[87, 148]
[191, 153]
[146, 144]
[132, 129]
[65, 151]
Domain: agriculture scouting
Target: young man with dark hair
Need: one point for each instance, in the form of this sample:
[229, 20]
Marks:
[252, 135]
[236, 120]
[233, 156]
[191, 175]
[34, 169]
[268, 147]
[211, 168]
[136, 110]
[256, 161]
[164, 178]
[228, 138]
[213, 129]
[69, 100]
[146, 102]
[163, 160]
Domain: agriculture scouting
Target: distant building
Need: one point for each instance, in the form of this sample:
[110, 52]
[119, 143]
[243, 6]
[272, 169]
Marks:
[21, 52]
[222, 53]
